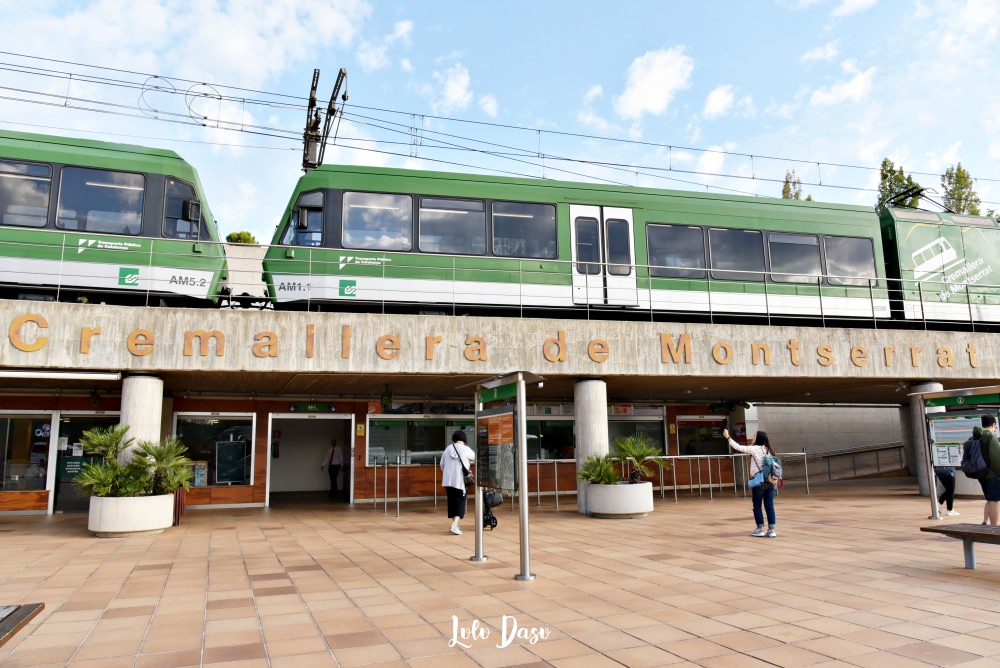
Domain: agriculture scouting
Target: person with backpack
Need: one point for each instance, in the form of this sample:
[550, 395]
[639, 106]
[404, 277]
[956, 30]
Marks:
[759, 448]
[991, 483]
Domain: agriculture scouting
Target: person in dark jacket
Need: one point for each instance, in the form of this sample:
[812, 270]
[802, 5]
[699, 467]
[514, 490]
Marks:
[991, 483]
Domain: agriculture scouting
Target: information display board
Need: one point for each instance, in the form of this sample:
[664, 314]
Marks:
[948, 434]
[496, 450]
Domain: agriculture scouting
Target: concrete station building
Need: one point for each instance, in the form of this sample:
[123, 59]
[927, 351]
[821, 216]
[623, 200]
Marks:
[258, 396]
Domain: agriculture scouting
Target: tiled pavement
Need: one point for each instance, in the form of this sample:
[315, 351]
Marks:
[850, 581]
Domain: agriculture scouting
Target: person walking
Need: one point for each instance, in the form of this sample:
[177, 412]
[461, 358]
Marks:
[456, 459]
[333, 462]
[946, 474]
[763, 494]
[991, 483]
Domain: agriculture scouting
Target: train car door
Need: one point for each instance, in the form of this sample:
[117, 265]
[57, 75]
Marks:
[603, 256]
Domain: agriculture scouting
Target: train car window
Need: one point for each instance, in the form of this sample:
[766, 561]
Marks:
[451, 226]
[795, 258]
[24, 193]
[588, 246]
[178, 213]
[377, 221]
[98, 200]
[850, 260]
[619, 252]
[305, 227]
[676, 251]
[737, 255]
[524, 230]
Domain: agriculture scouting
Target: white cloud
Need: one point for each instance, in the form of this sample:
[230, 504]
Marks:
[374, 55]
[970, 29]
[488, 103]
[653, 80]
[828, 51]
[587, 117]
[719, 101]
[455, 92]
[855, 89]
[405, 65]
[848, 7]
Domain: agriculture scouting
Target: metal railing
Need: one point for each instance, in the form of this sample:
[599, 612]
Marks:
[706, 474]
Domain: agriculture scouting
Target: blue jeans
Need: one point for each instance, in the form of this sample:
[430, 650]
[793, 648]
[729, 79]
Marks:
[767, 497]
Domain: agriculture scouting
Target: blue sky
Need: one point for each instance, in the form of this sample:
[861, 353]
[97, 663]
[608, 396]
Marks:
[675, 94]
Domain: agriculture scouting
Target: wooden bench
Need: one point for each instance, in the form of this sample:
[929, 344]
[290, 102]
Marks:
[14, 617]
[970, 534]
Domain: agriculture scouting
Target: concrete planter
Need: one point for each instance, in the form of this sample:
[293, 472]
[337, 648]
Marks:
[116, 516]
[621, 501]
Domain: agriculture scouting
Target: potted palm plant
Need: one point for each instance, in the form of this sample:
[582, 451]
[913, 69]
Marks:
[607, 494]
[132, 484]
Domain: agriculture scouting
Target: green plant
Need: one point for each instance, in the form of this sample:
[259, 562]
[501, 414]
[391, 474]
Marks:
[127, 468]
[639, 451]
[599, 470]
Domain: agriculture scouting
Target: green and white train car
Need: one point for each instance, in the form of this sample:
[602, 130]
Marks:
[377, 237]
[94, 221]
[943, 264]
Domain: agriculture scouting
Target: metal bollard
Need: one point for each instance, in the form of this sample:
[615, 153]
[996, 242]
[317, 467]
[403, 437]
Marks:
[397, 485]
[435, 481]
[555, 475]
[386, 486]
[375, 483]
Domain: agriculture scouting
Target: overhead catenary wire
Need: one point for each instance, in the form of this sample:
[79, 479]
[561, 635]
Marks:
[290, 102]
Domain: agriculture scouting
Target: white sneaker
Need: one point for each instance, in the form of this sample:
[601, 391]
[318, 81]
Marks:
[455, 530]
[771, 533]
[953, 513]
[759, 532]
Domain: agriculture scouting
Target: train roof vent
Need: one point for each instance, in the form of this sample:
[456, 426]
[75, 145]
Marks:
[985, 221]
[915, 215]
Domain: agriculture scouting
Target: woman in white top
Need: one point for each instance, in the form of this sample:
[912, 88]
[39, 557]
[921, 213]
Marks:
[453, 477]
[758, 447]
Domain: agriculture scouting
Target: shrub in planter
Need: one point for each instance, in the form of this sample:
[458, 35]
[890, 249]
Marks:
[132, 484]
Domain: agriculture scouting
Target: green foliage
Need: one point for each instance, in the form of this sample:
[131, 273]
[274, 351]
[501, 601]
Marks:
[959, 195]
[169, 468]
[599, 470]
[792, 189]
[241, 237]
[147, 468]
[639, 451]
[893, 181]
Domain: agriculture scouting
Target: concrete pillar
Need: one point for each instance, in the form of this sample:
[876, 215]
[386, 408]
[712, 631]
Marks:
[921, 451]
[142, 406]
[590, 399]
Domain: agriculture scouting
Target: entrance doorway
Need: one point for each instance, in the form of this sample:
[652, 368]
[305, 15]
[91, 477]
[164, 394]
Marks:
[298, 451]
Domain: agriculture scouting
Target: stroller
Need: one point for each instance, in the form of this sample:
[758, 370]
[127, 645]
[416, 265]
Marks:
[491, 499]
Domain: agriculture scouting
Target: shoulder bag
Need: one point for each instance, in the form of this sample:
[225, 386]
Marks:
[468, 478]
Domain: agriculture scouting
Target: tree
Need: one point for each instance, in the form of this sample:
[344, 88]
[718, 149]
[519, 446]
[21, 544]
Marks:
[893, 181]
[242, 237]
[958, 193]
[792, 189]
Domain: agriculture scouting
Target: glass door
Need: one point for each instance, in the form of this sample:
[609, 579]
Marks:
[603, 252]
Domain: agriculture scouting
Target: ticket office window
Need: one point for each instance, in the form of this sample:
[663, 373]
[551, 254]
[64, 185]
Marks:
[24, 452]
[652, 430]
[414, 441]
[220, 445]
[701, 436]
[551, 439]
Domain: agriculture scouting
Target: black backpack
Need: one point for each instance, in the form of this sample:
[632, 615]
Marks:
[974, 462]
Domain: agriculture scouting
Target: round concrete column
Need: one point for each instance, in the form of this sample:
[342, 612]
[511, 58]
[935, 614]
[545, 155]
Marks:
[921, 453]
[142, 406]
[590, 400]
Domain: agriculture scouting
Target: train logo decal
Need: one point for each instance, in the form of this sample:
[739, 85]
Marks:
[348, 288]
[105, 244]
[351, 259]
[128, 276]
